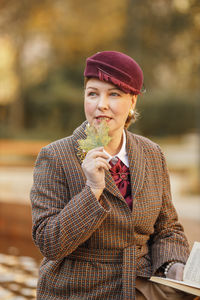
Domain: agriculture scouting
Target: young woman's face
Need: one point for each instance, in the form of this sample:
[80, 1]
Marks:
[104, 101]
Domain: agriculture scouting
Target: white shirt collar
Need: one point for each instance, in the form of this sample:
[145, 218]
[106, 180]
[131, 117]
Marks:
[122, 154]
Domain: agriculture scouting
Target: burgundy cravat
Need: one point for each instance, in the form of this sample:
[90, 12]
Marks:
[121, 175]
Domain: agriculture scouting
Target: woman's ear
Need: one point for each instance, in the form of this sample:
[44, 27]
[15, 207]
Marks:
[134, 101]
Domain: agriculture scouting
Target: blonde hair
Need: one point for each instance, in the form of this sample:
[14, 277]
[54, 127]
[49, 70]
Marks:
[131, 119]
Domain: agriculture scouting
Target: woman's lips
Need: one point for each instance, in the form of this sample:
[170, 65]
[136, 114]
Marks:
[103, 118]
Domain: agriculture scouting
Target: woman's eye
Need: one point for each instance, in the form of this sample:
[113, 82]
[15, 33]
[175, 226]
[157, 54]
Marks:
[115, 94]
[92, 94]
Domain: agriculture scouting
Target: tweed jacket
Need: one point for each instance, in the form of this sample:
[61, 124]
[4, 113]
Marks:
[95, 249]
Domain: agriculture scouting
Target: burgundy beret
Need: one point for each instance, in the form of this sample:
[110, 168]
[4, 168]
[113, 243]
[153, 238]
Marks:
[117, 68]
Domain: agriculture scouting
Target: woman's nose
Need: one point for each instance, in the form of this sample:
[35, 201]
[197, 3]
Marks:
[103, 102]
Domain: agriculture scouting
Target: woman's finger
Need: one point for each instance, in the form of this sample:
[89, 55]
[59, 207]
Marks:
[92, 163]
[107, 166]
[101, 165]
[98, 154]
[98, 149]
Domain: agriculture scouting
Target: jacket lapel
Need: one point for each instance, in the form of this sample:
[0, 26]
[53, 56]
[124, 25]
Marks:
[111, 186]
[79, 134]
[137, 163]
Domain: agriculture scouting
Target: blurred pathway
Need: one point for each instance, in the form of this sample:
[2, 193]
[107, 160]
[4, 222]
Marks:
[15, 184]
[18, 277]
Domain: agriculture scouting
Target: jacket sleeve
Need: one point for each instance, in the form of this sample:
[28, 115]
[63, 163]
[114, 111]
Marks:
[169, 242]
[61, 224]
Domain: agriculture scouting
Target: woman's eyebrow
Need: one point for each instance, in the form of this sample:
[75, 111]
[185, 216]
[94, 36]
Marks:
[115, 89]
[92, 87]
[110, 89]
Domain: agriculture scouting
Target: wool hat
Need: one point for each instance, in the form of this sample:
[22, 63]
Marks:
[116, 68]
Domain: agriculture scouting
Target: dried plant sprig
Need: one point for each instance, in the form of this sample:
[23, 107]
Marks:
[95, 137]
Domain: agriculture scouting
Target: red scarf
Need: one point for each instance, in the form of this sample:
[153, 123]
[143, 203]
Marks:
[121, 175]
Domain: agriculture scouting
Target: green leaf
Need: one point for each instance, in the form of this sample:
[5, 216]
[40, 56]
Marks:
[95, 137]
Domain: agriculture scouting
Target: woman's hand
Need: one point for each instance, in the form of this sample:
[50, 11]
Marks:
[94, 166]
[176, 271]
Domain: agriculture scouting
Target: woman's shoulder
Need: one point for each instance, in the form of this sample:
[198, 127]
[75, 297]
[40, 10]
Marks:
[62, 149]
[60, 143]
[59, 150]
[66, 148]
[151, 150]
[145, 142]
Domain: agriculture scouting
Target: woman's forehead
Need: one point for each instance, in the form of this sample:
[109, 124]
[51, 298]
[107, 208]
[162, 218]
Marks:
[96, 83]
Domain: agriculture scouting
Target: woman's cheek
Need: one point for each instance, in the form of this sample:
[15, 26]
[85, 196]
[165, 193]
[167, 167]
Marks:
[89, 109]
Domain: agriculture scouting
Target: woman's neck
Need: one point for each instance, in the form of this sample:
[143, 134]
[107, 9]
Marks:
[115, 145]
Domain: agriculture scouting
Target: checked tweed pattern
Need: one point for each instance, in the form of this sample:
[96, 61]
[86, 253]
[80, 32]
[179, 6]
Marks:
[95, 249]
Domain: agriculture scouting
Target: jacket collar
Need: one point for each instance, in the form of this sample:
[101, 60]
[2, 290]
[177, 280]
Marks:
[122, 154]
[136, 159]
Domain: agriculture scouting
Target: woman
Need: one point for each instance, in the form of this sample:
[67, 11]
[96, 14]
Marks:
[105, 225]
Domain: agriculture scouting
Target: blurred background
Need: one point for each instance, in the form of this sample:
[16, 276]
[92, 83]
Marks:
[43, 47]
